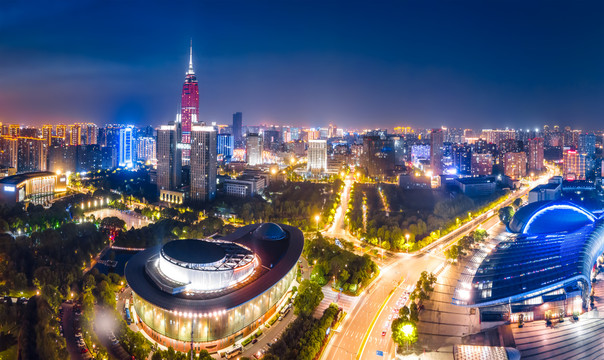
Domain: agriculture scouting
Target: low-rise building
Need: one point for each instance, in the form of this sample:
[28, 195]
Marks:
[244, 186]
[409, 182]
[32, 185]
[550, 191]
[477, 186]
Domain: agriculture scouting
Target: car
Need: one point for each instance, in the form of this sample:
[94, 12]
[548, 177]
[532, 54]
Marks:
[254, 341]
[84, 351]
[280, 317]
[384, 333]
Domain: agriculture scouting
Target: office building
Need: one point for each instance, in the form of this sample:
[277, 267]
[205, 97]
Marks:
[189, 111]
[126, 148]
[146, 149]
[225, 147]
[254, 149]
[169, 157]
[378, 156]
[203, 163]
[317, 156]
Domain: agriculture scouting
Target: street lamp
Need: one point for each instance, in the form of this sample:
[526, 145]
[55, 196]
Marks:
[317, 218]
[407, 330]
[407, 236]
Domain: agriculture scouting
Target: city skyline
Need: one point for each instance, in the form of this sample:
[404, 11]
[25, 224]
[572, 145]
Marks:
[358, 65]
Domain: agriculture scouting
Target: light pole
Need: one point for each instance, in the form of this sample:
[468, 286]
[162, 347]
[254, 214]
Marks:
[317, 218]
[407, 330]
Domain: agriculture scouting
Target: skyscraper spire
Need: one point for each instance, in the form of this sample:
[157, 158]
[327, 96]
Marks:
[191, 59]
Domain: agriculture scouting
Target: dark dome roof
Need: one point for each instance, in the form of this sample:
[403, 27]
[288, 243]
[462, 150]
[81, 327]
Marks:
[269, 231]
[194, 251]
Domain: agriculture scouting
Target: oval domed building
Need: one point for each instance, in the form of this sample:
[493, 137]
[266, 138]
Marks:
[213, 292]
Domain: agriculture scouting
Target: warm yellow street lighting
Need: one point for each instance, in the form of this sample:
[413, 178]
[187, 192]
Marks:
[407, 329]
[317, 218]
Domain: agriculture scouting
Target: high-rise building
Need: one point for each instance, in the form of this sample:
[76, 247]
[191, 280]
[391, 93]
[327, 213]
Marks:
[61, 131]
[146, 149]
[574, 165]
[462, 159]
[14, 130]
[203, 163]
[237, 126]
[436, 151]
[89, 133]
[378, 155]
[254, 148]
[482, 164]
[272, 139]
[47, 133]
[169, 157]
[535, 154]
[496, 136]
[8, 151]
[514, 165]
[189, 110]
[75, 134]
[126, 149]
[31, 154]
[317, 156]
[587, 144]
[225, 146]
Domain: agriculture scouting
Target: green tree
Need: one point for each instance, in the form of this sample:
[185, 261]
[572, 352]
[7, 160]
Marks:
[403, 332]
[309, 297]
[506, 214]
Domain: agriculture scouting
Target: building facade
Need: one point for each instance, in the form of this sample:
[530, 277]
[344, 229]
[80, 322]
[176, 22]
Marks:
[203, 163]
[514, 165]
[254, 149]
[126, 149]
[169, 157]
[317, 156]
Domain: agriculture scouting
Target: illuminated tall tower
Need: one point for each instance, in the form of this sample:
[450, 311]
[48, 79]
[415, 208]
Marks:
[189, 106]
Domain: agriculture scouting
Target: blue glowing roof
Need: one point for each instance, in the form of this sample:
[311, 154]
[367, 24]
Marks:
[547, 217]
[526, 266]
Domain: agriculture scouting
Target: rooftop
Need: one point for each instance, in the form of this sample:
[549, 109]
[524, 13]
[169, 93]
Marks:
[276, 259]
[476, 180]
[16, 179]
[194, 251]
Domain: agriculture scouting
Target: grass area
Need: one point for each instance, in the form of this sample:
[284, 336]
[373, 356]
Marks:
[9, 354]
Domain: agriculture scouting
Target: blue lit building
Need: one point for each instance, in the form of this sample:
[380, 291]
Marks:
[225, 146]
[543, 265]
[126, 149]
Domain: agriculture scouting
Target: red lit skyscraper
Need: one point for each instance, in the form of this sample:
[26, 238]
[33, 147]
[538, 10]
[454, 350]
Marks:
[189, 110]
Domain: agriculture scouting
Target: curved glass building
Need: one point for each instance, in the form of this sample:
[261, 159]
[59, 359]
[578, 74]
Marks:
[213, 292]
[548, 256]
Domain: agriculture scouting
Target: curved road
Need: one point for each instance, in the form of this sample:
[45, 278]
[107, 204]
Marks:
[360, 335]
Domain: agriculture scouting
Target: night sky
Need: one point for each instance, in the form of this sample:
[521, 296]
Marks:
[473, 64]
